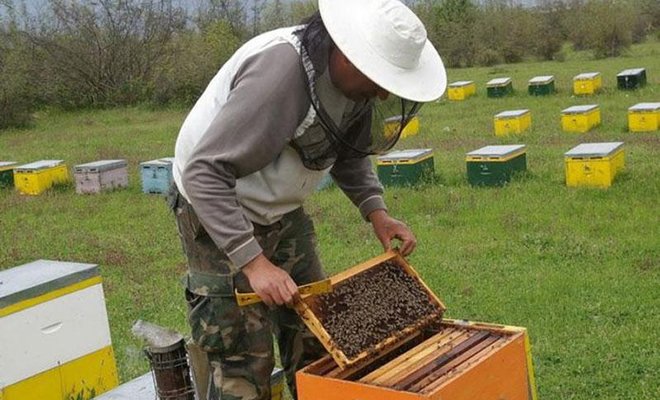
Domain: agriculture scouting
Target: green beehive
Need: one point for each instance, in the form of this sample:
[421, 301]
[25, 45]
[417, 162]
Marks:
[495, 165]
[499, 87]
[631, 78]
[405, 167]
[7, 173]
[541, 85]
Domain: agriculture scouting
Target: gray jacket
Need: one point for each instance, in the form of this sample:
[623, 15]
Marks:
[234, 160]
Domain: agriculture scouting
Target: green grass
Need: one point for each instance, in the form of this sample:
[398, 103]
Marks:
[578, 267]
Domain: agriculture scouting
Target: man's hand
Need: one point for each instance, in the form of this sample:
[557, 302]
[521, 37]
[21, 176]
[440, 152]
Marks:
[271, 283]
[388, 228]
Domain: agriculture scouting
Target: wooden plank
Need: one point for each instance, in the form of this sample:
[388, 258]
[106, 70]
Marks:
[434, 354]
[392, 340]
[412, 357]
[438, 377]
[437, 352]
[483, 326]
[323, 366]
[374, 375]
[343, 275]
[415, 359]
[348, 372]
[441, 361]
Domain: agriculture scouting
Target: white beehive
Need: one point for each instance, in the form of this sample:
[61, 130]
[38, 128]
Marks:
[54, 334]
[98, 176]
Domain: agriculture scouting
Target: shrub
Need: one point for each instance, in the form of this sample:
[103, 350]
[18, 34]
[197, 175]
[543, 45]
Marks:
[16, 89]
[195, 58]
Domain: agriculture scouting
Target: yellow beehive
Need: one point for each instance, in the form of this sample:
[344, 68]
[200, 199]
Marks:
[393, 124]
[594, 164]
[644, 117]
[461, 90]
[587, 83]
[512, 122]
[580, 118]
[37, 177]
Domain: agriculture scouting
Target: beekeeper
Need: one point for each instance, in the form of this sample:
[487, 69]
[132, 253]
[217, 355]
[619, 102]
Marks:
[289, 107]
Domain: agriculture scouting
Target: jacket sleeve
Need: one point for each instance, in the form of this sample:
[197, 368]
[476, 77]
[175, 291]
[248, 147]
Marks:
[266, 103]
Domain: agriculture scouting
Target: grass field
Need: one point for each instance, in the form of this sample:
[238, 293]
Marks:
[578, 267]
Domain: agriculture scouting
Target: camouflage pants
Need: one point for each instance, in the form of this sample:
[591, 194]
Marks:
[238, 341]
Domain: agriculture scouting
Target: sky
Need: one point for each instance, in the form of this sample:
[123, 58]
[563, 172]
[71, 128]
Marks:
[34, 5]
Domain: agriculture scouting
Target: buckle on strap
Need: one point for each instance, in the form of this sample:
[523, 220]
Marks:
[211, 285]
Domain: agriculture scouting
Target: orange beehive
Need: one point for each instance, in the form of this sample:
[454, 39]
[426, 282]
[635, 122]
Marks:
[430, 358]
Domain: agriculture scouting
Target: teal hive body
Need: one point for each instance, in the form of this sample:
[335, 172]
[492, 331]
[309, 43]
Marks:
[157, 175]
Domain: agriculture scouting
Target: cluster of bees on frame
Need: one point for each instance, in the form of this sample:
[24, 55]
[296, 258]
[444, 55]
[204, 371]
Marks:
[371, 306]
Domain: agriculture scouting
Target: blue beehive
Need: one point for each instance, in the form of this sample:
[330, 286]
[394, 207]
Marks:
[156, 175]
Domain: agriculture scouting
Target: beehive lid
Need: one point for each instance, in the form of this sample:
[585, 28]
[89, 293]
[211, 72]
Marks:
[594, 149]
[38, 165]
[98, 166]
[541, 80]
[40, 277]
[373, 306]
[159, 161]
[405, 155]
[140, 388]
[586, 76]
[498, 82]
[461, 83]
[645, 107]
[396, 118]
[632, 71]
[499, 151]
[512, 113]
[580, 109]
[5, 165]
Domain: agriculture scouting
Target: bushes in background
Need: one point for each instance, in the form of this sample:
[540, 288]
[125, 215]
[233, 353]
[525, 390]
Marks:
[99, 53]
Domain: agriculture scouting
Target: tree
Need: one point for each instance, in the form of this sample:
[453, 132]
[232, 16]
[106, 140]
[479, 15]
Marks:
[274, 16]
[301, 10]
[103, 52]
[505, 32]
[602, 26]
[194, 58]
[279, 13]
[550, 36]
[231, 11]
[451, 28]
[17, 89]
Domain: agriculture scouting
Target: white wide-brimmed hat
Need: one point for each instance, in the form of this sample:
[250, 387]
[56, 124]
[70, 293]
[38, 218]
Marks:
[386, 41]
